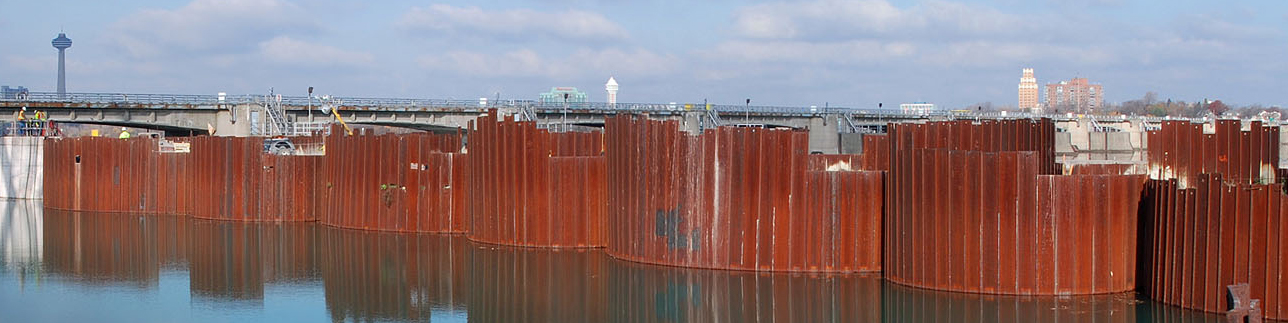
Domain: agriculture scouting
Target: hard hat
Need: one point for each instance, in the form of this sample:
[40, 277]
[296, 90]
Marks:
[24, 108]
[122, 128]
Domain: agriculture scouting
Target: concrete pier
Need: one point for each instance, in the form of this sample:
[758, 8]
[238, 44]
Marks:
[22, 167]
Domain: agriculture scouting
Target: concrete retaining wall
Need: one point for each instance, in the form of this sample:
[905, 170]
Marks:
[21, 167]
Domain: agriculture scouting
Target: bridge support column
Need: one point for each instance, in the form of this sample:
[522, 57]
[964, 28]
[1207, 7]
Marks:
[227, 124]
[824, 136]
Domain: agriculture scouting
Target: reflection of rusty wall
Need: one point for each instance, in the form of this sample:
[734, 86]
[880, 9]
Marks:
[906, 304]
[235, 180]
[985, 220]
[535, 188]
[510, 284]
[229, 260]
[1213, 234]
[737, 198]
[380, 276]
[407, 183]
[112, 247]
[648, 293]
[1182, 151]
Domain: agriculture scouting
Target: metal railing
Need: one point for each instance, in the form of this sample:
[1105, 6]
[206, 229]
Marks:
[401, 104]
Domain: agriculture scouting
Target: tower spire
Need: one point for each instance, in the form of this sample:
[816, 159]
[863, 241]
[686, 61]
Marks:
[62, 43]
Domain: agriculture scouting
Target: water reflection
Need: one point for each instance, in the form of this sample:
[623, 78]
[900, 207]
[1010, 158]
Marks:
[509, 284]
[392, 276]
[232, 261]
[224, 271]
[648, 293]
[112, 248]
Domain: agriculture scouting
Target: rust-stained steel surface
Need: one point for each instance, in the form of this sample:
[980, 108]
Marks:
[114, 175]
[512, 284]
[1215, 233]
[975, 208]
[650, 293]
[535, 188]
[406, 183]
[737, 198]
[1181, 150]
[387, 276]
[235, 180]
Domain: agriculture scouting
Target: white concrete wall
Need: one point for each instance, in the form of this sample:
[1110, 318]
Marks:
[22, 167]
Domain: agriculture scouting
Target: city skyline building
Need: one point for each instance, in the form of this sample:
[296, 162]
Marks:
[1028, 92]
[62, 43]
[1074, 95]
[917, 107]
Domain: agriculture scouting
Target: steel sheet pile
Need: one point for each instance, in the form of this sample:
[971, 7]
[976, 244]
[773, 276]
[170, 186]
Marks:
[234, 180]
[738, 198]
[1101, 169]
[369, 276]
[1181, 150]
[973, 208]
[407, 183]
[637, 292]
[513, 284]
[536, 188]
[1212, 220]
[233, 260]
[115, 175]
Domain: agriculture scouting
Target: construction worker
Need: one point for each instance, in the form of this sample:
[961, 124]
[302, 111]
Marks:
[124, 134]
[22, 122]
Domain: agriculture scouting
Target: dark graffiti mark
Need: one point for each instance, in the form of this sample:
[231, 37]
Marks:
[668, 223]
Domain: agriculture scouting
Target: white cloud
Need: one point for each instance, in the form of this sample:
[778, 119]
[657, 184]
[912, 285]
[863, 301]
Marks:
[207, 26]
[287, 50]
[571, 25]
[846, 52]
[529, 63]
[840, 19]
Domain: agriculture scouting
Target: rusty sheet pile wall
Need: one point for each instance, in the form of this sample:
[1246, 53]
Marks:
[988, 220]
[114, 175]
[1213, 234]
[737, 198]
[536, 188]
[235, 180]
[1182, 150]
[1102, 169]
[407, 183]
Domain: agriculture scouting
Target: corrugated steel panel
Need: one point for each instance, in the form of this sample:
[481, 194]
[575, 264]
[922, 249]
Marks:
[370, 182]
[536, 188]
[978, 209]
[1213, 234]
[737, 198]
[1182, 151]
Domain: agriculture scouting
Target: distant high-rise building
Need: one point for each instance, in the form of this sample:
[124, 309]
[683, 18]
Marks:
[1075, 95]
[1028, 91]
[12, 93]
[62, 43]
[611, 87]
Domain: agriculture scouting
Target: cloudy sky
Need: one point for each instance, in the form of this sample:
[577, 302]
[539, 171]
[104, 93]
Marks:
[798, 53]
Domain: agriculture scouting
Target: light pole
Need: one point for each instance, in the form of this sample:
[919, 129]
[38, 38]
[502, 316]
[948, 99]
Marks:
[746, 108]
[310, 104]
[565, 114]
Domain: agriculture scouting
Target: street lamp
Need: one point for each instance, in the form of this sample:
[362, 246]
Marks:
[310, 104]
[747, 110]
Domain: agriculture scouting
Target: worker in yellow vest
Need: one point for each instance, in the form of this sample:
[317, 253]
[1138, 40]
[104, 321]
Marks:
[124, 134]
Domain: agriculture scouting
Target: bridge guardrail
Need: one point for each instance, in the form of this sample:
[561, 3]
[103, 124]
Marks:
[403, 104]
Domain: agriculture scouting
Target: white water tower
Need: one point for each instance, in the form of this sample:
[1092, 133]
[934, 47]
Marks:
[611, 87]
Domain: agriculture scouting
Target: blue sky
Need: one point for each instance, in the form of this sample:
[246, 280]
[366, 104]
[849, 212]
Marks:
[799, 53]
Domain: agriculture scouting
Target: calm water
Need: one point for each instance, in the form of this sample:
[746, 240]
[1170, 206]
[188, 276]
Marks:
[73, 267]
